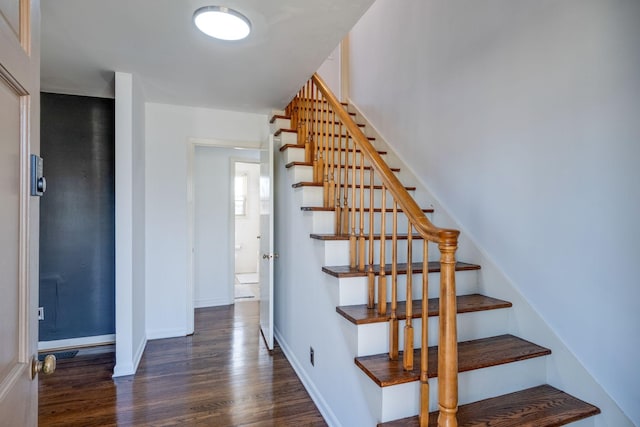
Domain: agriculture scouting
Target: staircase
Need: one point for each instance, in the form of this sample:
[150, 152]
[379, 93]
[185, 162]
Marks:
[380, 262]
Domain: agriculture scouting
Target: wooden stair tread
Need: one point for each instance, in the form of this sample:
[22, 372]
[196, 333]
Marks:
[541, 406]
[474, 354]
[301, 146]
[434, 267]
[278, 116]
[292, 164]
[320, 184]
[361, 315]
[323, 209]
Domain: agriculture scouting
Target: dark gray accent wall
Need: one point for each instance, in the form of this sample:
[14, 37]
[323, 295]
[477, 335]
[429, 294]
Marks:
[77, 217]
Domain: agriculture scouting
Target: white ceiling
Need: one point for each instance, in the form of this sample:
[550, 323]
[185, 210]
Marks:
[85, 41]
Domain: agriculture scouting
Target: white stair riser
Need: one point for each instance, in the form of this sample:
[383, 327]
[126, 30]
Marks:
[293, 155]
[355, 290]
[373, 338]
[306, 171]
[300, 173]
[287, 137]
[403, 400]
[315, 197]
[279, 124]
[337, 129]
[322, 222]
[328, 217]
[336, 252]
[434, 255]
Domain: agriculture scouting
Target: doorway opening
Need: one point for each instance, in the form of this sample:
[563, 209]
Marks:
[246, 200]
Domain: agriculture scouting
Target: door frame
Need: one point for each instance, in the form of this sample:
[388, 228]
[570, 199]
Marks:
[192, 143]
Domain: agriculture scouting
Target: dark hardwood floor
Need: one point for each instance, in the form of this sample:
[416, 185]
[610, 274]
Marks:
[220, 376]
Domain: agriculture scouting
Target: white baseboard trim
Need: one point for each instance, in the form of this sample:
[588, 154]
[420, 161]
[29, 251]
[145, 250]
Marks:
[76, 342]
[317, 398]
[210, 302]
[159, 334]
[138, 354]
[123, 370]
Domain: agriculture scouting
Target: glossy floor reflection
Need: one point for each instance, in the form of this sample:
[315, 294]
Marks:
[220, 376]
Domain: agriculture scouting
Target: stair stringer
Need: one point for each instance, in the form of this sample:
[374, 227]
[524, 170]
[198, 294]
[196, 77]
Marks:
[563, 369]
[305, 299]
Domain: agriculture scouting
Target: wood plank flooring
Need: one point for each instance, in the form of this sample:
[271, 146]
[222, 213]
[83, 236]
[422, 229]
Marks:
[221, 376]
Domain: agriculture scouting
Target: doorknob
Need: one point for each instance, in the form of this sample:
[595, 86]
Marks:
[266, 256]
[47, 367]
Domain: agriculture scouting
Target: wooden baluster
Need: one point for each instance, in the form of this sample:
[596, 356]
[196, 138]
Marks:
[345, 206]
[338, 211]
[332, 158]
[424, 352]
[308, 148]
[393, 321]
[407, 360]
[301, 117]
[352, 236]
[382, 277]
[326, 157]
[361, 239]
[322, 142]
[314, 94]
[370, 273]
[448, 340]
[293, 111]
[305, 125]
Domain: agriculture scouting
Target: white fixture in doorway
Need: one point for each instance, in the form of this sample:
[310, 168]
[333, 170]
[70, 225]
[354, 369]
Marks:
[246, 200]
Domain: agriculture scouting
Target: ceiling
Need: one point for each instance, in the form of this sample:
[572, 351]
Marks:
[85, 41]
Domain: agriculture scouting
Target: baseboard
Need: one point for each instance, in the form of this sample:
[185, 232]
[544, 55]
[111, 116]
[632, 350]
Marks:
[123, 370]
[166, 333]
[317, 398]
[211, 302]
[138, 354]
[76, 342]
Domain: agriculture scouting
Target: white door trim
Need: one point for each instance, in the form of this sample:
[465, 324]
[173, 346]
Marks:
[192, 143]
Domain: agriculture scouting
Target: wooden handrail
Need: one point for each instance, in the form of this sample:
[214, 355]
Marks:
[314, 110]
[423, 226]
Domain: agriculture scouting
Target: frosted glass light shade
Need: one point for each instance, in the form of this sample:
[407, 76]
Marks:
[222, 23]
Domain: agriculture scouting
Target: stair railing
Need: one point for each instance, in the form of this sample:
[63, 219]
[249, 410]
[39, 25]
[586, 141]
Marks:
[340, 153]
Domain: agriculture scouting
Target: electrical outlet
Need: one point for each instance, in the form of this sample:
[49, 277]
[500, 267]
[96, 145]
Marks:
[312, 358]
[40, 313]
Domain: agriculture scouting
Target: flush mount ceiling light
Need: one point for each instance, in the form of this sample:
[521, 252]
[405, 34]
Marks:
[222, 23]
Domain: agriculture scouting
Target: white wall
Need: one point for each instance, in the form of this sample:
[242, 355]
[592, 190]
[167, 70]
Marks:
[521, 117]
[168, 129]
[130, 227]
[247, 227]
[213, 224]
[330, 72]
[139, 236]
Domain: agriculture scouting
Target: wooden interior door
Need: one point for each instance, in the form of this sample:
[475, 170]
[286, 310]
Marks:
[19, 136]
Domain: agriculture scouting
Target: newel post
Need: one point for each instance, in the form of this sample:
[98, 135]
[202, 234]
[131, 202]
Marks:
[448, 339]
